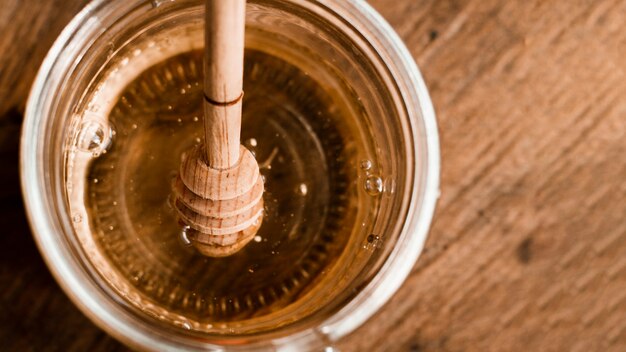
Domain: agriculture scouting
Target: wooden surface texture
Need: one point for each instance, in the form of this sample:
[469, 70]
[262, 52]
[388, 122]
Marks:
[528, 247]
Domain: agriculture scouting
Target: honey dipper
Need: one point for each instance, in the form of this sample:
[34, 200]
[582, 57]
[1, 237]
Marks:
[218, 193]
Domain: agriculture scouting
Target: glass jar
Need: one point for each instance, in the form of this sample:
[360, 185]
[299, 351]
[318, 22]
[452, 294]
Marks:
[394, 162]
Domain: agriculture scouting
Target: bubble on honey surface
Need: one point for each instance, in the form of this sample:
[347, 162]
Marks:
[366, 164]
[93, 138]
[303, 189]
[371, 238]
[373, 242]
[183, 324]
[373, 185]
[77, 218]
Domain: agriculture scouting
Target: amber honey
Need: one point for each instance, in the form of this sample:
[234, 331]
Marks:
[300, 140]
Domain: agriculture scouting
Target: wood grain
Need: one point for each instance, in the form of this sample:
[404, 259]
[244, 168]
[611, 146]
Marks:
[223, 80]
[528, 247]
[222, 208]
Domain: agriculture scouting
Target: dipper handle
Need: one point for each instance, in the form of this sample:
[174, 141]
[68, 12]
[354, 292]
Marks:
[223, 80]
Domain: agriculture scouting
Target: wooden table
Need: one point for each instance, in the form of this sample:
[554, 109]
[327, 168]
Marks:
[528, 247]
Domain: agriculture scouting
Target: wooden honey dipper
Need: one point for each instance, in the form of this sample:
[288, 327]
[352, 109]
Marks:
[219, 190]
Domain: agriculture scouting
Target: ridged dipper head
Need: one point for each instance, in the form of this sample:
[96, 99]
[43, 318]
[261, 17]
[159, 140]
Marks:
[223, 208]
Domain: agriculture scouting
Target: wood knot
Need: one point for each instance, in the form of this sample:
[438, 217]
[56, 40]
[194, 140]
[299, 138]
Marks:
[223, 208]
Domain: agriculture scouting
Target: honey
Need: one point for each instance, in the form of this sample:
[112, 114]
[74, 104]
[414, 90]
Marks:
[307, 160]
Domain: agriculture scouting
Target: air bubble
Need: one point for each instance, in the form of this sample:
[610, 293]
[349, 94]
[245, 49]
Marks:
[183, 324]
[77, 218]
[373, 242]
[373, 185]
[371, 238]
[93, 137]
[184, 236]
[366, 164]
[303, 189]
